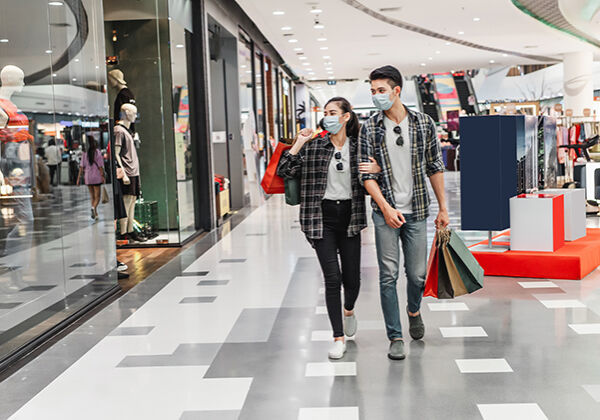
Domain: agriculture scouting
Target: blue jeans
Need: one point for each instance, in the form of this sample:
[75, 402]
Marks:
[413, 235]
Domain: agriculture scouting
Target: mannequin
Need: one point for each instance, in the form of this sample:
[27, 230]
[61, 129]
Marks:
[124, 96]
[127, 158]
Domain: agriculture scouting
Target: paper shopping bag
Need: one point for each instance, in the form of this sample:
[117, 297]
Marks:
[271, 182]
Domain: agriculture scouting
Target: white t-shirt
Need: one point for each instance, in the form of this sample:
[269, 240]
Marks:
[339, 183]
[53, 155]
[401, 162]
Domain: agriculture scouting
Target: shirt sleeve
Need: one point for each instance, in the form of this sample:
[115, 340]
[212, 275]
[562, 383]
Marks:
[433, 152]
[119, 139]
[290, 166]
[365, 150]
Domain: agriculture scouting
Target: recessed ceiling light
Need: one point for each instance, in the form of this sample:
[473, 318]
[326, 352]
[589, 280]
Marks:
[298, 49]
[293, 40]
[329, 72]
[97, 67]
[461, 32]
[311, 73]
[430, 58]
[243, 66]
[74, 79]
[326, 57]
[309, 69]
[321, 39]
[279, 12]
[315, 11]
[286, 28]
[423, 64]
[448, 43]
[302, 58]
[330, 63]
[3, 40]
[328, 68]
[248, 71]
[438, 52]
[504, 55]
[306, 64]
[331, 77]
[492, 61]
[319, 26]
[54, 74]
[55, 3]
[179, 46]
[77, 60]
[48, 51]
[324, 48]
[476, 19]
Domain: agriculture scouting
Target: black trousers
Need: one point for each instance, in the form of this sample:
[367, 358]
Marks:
[53, 170]
[336, 218]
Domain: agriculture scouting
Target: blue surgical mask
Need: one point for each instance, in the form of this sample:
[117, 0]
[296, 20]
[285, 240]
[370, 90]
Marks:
[382, 101]
[332, 124]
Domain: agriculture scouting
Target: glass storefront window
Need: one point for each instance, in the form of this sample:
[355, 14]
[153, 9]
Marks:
[56, 254]
[260, 112]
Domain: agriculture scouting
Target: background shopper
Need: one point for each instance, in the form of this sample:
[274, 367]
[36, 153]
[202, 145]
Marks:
[332, 209]
[54, 159]
[92, 166]
[405, 145]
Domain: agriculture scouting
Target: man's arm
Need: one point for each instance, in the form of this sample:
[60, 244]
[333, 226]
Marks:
[393, 217]
[435, 172]
[437, 183]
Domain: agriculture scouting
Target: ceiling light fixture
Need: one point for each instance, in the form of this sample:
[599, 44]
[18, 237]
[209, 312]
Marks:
[292, 41]
[298, 49]
[306, 64]
[302, 58]
[315, 11]
[54, 74]
[318, 25]
[448, 43]
[4, 40]
[321, 39]
[286, 28]
[492, 61]
[279, 13]
[48, 51]
[55, 3]
[74, 79]
[324, 48]
[179, 46]
[504, 55]
[331, 77]
[461, 32]
[423, 64]
[438, 52]
[430, 58]
[326, 57]
[243, 66]
[476, 19]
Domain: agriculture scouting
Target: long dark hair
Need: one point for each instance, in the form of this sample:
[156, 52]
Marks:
[91, 151]
[352, 126]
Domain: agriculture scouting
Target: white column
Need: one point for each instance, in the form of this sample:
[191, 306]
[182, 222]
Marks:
[578, 86]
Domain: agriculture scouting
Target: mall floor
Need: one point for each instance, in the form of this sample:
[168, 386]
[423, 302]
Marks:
[240, 332]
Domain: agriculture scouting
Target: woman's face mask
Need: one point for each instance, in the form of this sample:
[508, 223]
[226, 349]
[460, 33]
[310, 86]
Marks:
[332, 123]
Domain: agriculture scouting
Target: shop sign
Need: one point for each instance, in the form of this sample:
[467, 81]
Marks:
[597, 98]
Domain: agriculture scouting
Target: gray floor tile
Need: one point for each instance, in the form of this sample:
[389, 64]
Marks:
[233, 260]
[198, 299]
[83, 265]
[253, 326]
[213, 282]
[210, 415]
[10, 305]
[123, 331]
[184, 355]
[37, 288]
[195, 273]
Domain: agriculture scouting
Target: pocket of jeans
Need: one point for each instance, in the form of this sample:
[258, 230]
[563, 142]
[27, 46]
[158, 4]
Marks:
[378, 219]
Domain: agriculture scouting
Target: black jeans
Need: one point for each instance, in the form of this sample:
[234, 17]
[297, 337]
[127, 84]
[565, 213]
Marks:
[53, 170]
[336, 218]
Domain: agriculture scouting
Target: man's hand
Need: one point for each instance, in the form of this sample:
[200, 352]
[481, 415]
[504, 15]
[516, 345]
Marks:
[370, 167]
[393, 217]
[442, 220]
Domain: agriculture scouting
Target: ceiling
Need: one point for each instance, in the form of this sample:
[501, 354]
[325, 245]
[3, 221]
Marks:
[357, 41]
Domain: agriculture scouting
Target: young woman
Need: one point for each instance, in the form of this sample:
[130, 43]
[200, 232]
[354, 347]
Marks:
[92, 165]
[332, 209]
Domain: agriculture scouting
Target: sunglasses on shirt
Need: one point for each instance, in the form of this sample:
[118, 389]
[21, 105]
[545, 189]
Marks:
[339, 166]
[400, 139]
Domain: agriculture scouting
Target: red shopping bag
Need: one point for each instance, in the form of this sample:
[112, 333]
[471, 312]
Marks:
[271, 182]
[431, 281]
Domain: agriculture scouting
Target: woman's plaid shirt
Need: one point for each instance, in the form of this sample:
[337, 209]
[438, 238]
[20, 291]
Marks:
[312, 165]
[426, 158]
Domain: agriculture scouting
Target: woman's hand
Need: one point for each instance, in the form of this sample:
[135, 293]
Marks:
[302, 138]
[370, 167]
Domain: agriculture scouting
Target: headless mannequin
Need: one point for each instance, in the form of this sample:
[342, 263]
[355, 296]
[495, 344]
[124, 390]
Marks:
[11, 78]
[128, 116]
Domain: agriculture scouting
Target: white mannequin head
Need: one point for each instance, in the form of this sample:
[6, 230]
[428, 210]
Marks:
[128, 113]
[11, 79]
[116, 79]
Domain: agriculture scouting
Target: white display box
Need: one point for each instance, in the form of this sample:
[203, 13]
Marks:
[537, 222]
[575, 222]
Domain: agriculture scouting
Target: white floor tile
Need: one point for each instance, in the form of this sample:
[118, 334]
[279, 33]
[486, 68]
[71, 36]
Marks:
[458, 332]
[593, 390]
[331, 369]
[371, 325]
[562, 303]
[585, 328]
[448, 306]
[537, 284]
[511, 412]
[322, 335]
[321, 310]
[483, 366]
[329, 413]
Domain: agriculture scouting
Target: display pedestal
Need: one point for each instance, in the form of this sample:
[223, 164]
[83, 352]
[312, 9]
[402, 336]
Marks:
[537, 222]
[575, 221]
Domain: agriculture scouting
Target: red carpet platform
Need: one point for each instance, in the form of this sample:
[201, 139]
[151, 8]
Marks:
[573, 261]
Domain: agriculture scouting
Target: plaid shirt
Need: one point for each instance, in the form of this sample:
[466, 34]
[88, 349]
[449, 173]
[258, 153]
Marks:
[426, 158]
[312, 165]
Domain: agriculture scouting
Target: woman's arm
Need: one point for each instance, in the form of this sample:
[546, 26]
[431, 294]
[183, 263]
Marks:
[290, 163]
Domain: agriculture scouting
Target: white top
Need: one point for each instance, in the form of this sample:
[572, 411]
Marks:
[339, 183]
[53, 155]
[401, 163]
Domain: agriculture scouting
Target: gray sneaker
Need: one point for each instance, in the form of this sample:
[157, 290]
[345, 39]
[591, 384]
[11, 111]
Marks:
[417, 327]
[350, 325]
[397, 350]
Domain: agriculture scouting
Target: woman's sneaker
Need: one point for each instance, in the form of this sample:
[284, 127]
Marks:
[350, 325]
[338, 350]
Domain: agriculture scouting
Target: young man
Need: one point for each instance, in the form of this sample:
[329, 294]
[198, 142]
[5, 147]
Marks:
[405, 145]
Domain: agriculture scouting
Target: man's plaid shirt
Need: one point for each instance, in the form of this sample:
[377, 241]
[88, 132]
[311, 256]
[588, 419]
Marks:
[426, 157]
[312, 166]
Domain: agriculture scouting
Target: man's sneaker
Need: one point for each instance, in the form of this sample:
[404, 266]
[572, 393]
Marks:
[397, 350]
[121, 266]
[417, 328]
[122, 275]
[338, 350]
[350, 325]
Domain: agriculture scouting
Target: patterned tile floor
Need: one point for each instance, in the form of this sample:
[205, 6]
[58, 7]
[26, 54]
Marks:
[239, 333]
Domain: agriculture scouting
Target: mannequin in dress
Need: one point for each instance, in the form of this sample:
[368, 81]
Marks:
[127, 158]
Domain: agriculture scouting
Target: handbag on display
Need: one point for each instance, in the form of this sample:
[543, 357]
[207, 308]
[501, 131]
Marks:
[271, 182]
[452, 270]
[105, 197]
